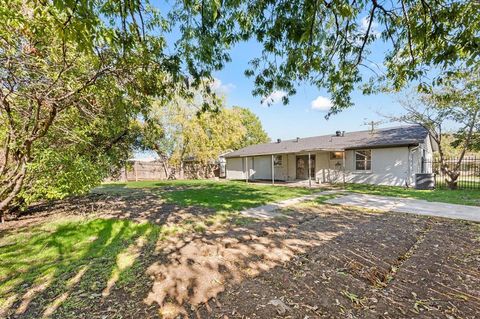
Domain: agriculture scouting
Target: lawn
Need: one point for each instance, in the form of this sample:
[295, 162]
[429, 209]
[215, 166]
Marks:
[461, 196]
[71, 254]
[218, 195]
[180, 249]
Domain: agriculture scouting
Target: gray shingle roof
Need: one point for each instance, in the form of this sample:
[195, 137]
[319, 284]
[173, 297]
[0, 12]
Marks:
[388, 137]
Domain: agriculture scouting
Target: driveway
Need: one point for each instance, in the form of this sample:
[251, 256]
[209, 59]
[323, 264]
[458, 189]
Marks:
[408, 205]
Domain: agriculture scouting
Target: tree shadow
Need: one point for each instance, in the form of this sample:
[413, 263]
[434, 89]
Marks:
[146, 258]
[64, 266]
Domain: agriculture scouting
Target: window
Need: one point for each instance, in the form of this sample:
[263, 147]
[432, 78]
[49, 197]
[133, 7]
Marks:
[363, 160]
[277, 160]
[336, 155]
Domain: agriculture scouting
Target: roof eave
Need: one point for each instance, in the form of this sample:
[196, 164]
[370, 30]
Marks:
[382, 146]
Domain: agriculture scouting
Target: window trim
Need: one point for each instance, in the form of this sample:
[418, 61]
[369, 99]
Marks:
[366, 161]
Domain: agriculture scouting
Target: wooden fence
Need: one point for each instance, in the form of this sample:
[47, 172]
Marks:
[155, 170]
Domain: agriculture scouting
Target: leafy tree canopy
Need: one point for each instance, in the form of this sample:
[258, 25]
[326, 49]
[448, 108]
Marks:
[74, 78]
[254, 132]
[328, 43]
[182, 129]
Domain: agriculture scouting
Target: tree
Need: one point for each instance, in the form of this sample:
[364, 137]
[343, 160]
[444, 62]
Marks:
[458, 101]
[450, 145]
[327, 43]
[255, 134]
[74, 78]
[198, 127]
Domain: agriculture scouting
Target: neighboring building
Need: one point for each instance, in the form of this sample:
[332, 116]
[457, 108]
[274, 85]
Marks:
[389, 156]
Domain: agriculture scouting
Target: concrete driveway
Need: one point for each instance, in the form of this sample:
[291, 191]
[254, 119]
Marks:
[408, 205]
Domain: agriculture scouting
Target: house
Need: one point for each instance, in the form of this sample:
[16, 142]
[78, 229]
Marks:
[388, 156]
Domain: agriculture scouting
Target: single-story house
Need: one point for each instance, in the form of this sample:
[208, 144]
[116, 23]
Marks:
[388, 156]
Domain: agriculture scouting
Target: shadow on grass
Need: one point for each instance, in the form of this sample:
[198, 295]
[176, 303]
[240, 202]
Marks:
[232, 196]
[114, 268]
[223, 195]
[42, 269]
[94, 268]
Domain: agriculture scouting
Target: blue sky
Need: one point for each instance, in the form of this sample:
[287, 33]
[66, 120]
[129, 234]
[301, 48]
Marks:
[299, 117]
[302, 117]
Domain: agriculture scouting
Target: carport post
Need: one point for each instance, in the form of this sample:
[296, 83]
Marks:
[273, 171]
[247, 171]
[309, 171]
[135, 169]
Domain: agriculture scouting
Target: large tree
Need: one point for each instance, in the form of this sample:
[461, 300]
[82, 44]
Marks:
[457, 101]
[254, 132]
[74, 78]
[328, 44]
[198, 128]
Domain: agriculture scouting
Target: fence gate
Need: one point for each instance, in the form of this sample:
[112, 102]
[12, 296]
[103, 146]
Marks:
[469, 177]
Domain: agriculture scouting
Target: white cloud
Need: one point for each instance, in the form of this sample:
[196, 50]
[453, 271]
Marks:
[274, 98]
[321, 103]
[220, 88]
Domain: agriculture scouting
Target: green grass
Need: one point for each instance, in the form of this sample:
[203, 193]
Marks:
[218, 195]
[70, 255]
[80, 258]
[463, 197]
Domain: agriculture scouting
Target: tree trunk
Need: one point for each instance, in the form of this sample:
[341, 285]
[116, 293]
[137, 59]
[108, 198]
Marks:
[452, 179]
[6, 203]
[165, 168]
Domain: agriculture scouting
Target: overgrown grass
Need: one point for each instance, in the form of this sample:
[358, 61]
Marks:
[461, 196]
[218, 195]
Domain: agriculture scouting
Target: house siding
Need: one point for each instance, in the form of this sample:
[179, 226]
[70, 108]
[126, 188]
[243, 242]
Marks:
[235, 168]
[395, 166]
[291, 171]
[390, 166]
[262, 167]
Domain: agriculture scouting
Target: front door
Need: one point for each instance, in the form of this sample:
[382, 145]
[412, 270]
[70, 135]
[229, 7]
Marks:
[302, 166]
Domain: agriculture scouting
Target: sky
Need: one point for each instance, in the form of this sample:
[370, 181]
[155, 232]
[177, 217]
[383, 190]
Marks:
[305, 114]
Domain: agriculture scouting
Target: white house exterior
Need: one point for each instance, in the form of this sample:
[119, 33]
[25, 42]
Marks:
[389, 156]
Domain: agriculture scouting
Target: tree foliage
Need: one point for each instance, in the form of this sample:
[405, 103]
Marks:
[458, 102]
[254, 132]
[328, 43]
[74, 78]
[182, 131]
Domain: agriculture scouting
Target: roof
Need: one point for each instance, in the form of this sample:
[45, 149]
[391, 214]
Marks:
[388, 137]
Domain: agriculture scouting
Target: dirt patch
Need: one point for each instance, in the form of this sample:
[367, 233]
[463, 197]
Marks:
[138, 205]
[316, 261]
[384, 266]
